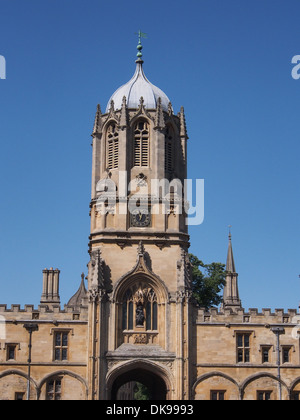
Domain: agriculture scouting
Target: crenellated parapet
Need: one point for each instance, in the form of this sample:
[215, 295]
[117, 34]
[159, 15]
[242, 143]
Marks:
[16, 313]
[250, 316]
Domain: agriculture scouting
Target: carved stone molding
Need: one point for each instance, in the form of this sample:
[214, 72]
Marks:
[140, 339]
[183, 295]
[96, 295]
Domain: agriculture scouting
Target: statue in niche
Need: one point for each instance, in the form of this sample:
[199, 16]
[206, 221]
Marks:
[139, 315]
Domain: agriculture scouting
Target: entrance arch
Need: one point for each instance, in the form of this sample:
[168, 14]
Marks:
[153, 376]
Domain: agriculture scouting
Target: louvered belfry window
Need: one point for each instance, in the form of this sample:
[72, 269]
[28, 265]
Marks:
[112, 147]
[169, 139]
[141, 144]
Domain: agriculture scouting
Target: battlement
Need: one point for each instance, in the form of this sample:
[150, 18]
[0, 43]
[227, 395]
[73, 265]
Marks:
[43, 312]
[253, 316]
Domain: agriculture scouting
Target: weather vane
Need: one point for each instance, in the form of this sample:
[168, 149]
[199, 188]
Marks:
[229, 227]
[140, 47]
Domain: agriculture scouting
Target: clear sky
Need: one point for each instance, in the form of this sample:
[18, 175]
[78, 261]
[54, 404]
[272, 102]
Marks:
[228, 62]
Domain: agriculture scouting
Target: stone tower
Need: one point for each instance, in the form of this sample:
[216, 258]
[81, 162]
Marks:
[139, 272]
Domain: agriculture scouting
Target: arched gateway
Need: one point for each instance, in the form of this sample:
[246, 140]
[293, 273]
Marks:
[154, 377]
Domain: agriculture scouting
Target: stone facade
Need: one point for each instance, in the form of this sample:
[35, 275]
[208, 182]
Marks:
[136, 321]
[45, 364]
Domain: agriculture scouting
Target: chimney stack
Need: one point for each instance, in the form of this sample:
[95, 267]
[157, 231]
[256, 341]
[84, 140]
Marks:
[50, 293]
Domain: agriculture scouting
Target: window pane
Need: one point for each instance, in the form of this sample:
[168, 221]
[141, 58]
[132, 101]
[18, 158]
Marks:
[214, 395]
[130, 316]
[64, 354]
[58, 339]
[240, 356]
[65, 339]
[246, 341]
[240, 341]
[265, 355]
[58, 386]
[286, 355]
[260, 396]
[247, 356]
[221, 395]
[148, 316]
[154, 321]
[124, 316]
[11, 353]
[50, 386]
[57, 354]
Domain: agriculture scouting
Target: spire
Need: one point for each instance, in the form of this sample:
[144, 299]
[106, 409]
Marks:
[230, 266]
[123, 117]
[159, 117]
[231, 293]
[98, 123]
[97, 272]
[76, 300]
[183, 132]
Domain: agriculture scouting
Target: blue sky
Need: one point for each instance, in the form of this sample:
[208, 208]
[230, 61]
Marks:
[227, 62]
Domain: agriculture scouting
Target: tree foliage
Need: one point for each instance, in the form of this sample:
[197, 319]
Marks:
[208, 280]
[141, 392]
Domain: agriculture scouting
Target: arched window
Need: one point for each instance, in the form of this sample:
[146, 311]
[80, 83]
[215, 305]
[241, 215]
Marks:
[139, 309]
[127, 311]
[141, 144]
[151, 311]
[54, 388]
[169, 145]
[112, 136]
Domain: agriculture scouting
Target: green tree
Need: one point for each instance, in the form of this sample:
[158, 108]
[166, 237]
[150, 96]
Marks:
[141, 392]
[208, 281]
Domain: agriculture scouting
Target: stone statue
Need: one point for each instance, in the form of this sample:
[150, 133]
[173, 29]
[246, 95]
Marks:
[139, 315]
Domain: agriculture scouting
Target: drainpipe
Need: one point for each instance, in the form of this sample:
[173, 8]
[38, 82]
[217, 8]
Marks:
[278, 331]
[30, 328]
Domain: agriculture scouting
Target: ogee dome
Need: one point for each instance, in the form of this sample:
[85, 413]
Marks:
[137, 87]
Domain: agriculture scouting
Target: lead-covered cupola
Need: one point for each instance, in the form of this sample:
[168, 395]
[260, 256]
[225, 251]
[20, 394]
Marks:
[137, 87]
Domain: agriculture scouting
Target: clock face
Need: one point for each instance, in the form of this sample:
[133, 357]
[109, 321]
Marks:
[140, 218]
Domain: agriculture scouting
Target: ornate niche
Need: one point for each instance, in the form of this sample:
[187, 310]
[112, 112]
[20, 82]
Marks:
[140, 315]
[140, 298]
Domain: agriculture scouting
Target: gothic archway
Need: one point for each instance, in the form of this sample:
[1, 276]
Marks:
[155, 384]
[151, 375]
